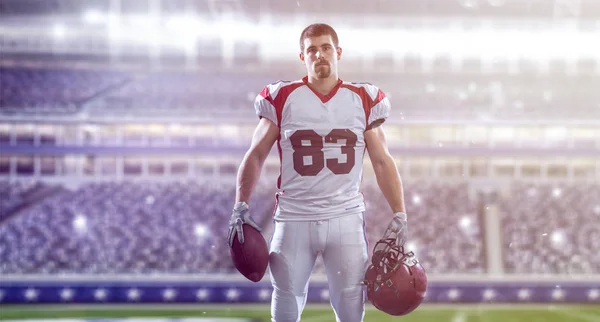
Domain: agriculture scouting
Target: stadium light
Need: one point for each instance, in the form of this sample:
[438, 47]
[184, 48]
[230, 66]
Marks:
[144, 21]
[497, 3]
[183, 23]
[150, 200]
[465, 222]
[412, 246]
[556, 192]
[557, 238]
[93, 16]
[455, 41]
[479, 43]
[503, 133]
[556, 133]
[469, 4]
[59, 31]
[80, 223]
[183, 31]
[200, 230]
[416, 199]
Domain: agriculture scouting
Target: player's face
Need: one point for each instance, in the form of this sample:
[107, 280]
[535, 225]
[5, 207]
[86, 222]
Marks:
[320, 56]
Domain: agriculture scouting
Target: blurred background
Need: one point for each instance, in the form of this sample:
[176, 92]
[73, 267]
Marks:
[122, 124]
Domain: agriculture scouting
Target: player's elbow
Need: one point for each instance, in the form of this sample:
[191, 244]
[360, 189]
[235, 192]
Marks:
[384, 166]
[256, 156]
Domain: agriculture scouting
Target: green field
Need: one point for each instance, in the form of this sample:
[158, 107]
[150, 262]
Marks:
[314, 313]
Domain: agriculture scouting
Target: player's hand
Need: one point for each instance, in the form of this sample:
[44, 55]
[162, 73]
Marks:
[239, 216]
[398, 228]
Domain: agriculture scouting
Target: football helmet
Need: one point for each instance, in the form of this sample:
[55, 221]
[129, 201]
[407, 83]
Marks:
[396, 282]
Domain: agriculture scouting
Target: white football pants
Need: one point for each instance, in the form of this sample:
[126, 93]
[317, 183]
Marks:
[293, 251]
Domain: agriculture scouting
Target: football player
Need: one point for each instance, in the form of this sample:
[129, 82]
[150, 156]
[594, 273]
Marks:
[322, 126]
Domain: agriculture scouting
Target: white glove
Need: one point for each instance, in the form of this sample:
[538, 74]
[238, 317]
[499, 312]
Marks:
[239, 216]
[398, 229]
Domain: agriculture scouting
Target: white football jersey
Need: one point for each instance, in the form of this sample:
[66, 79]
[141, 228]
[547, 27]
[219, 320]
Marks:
[321, 145]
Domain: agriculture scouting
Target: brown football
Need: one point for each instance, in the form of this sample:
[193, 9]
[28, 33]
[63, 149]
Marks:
[252, 257]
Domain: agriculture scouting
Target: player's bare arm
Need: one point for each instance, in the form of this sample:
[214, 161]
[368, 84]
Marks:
[384, 166]
[389, 181]
[264, 137]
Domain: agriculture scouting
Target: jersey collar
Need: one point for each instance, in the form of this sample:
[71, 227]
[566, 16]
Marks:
[323, 98]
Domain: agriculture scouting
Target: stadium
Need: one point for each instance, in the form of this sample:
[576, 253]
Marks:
[123, 123]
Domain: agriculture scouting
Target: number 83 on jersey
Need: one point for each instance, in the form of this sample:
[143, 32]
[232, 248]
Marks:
[308, 144]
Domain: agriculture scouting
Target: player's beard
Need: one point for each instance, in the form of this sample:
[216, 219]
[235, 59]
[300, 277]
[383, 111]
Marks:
[323, 71]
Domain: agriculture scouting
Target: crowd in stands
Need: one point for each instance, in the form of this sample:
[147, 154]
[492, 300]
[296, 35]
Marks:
[553, 228]
[180, 227]
[123, 228]
[52, 90]
[15, 194]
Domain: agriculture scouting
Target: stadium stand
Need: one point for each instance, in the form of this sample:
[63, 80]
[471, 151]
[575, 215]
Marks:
[52, 90]
[180, 91]
[125, 228]
[150, 227]
[498, 97]
[551, 228]
[444, 225]
[179, 227]
[461, 96]
[14, 195]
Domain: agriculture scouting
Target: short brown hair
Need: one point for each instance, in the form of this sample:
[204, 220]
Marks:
[316, 30]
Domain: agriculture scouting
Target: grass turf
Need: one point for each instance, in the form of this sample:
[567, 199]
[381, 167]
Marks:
[313, 313]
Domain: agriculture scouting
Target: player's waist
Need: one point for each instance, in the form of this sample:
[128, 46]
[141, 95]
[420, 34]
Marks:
[286, 216]
[325, 198]
[317, 208]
